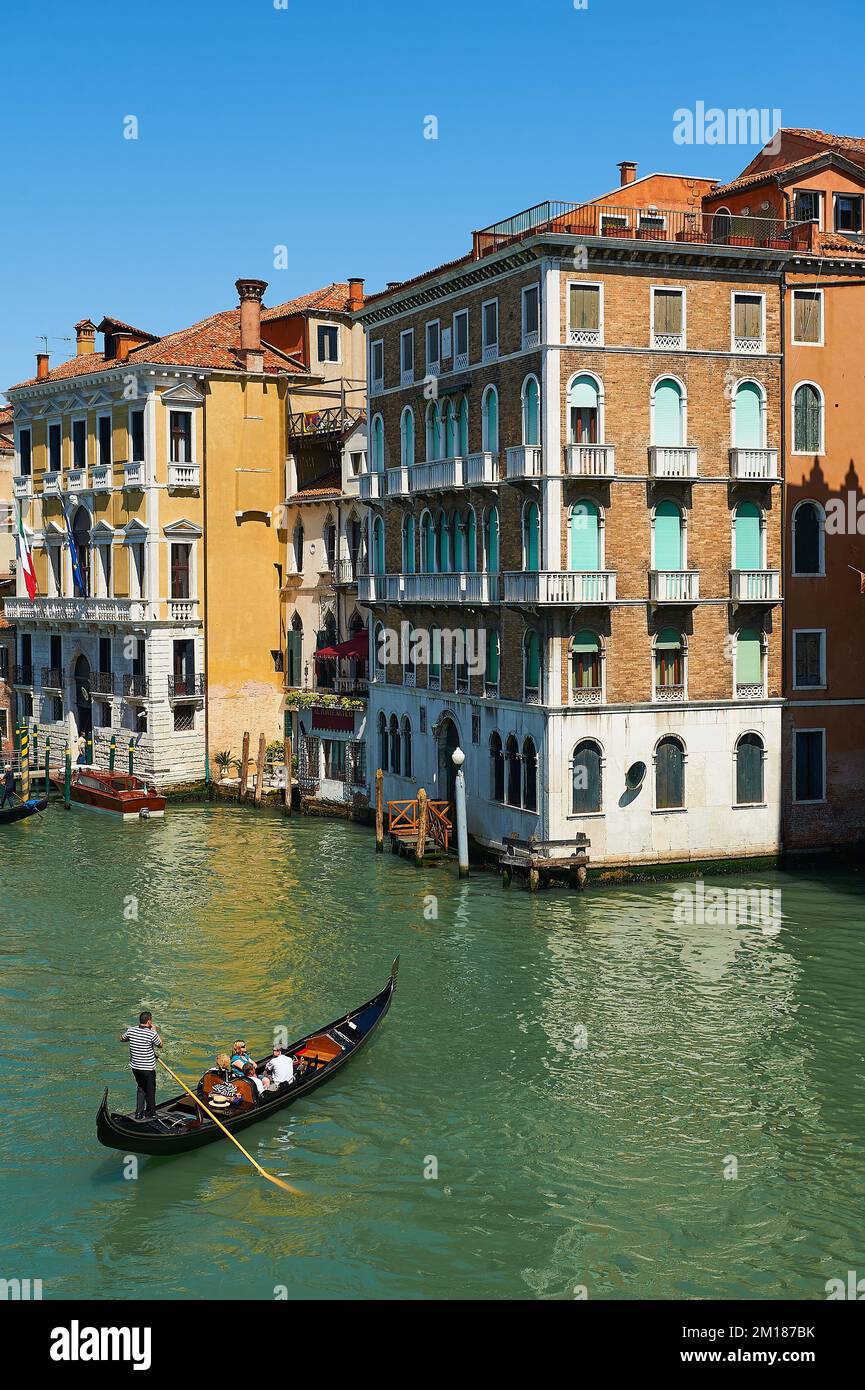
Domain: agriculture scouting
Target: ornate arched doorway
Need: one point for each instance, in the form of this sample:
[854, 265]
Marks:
[81, 537]
[83, 703]
[448, 740]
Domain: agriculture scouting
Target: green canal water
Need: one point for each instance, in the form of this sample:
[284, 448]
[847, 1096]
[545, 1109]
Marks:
[581, 1070]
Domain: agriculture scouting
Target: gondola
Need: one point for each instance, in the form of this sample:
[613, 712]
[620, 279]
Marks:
[23, 810]
[180, 1124]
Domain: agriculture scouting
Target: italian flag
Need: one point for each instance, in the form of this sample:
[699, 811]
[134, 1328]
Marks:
[25, 559]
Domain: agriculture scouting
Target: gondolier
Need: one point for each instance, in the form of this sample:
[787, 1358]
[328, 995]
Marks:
[143, 1040]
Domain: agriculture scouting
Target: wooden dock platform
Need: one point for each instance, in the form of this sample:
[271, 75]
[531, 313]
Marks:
[543, 862]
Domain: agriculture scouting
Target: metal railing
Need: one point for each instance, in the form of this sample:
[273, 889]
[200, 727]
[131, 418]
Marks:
[560, 586]
[186, 685]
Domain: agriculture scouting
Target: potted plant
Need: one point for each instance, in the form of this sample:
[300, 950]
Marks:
[225, 761]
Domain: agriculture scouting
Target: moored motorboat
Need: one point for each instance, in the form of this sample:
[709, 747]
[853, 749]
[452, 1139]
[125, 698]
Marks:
[118, 792]
[181, 1124]
[22, 809]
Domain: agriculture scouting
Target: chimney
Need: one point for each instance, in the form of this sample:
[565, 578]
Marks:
[41, 366]
[85, 337]
[355, 294]
[250, 293]
[122, 343]
[627, 172]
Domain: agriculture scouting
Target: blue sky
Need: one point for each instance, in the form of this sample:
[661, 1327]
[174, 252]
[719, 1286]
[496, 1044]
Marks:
[303, 126]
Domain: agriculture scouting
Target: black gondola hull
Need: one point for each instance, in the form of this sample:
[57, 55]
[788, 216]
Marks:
[116, 1131]
[8, 814]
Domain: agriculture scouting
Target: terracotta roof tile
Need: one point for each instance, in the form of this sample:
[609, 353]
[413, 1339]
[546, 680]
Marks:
[764, 176]
[333, 298]
[328, 485]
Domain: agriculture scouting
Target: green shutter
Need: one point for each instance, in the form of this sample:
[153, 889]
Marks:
[748, 417]
[749, 658]
[532, 541]
[748, 555]
[584, 526]
[668, 413]
[668, 537]
[493, 542]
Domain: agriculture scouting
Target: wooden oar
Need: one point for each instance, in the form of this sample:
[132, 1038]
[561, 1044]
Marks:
[257, 1166]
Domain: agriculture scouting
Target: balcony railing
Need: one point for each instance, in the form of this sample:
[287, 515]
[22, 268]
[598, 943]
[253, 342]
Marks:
[22, 485]
[136, 687]
[480, 468]
[560, 586]
[673, 461]
[189, 686]
[372, 588]
[51, 484]
[436, 474]
[102, 478]
[77, 610]
[23, 675]
[755, 586]
[371, 486]
[759, 465]
[462, 587]
[590, 460]
[185, 477]
[396, 482]
[669, 694]
[524, 461]
[750, 346]
[587, 695]
[102, 682]
[53, 677]
[345, 571]
[133, 475]
[674, 586]
[76, 480]
[752, 690]
[183, 610]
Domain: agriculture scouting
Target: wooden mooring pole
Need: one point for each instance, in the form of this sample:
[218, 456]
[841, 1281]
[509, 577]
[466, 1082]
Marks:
[259, 769]
[286, 754]
[422, 822]
[244, 767]
[379, 811]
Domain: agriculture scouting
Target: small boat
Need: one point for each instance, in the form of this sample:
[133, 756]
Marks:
[22, 810]
[180, 1124]
[118, 792]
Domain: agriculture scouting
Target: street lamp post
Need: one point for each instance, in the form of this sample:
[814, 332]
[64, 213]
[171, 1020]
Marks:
[458, 757]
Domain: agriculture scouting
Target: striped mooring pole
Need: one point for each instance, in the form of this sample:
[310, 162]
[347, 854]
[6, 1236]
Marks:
[112, 752]
[47, 763]
[67, 778]
[131, 754]
[25, 764]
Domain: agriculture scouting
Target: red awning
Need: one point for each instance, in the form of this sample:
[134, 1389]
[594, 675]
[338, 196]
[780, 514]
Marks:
[358, 647]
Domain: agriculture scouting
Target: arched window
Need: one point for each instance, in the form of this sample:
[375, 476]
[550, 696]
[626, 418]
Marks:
[669, 664]
[749, 770]
[461, 663]
[808, 538]
[807, 419]
[491, 676]
[377, 545]
[81, 536]
[586, 663]
[329, 537]
[406, 746]
[668, 413]
[670, 774]
[531, 537]
[429, 421]
[379, 666]
[667, 530]
[584, 536]
[512, 757]
[427, 544]
[409, 655]
[749, 412]
[587, 792]
[444, 552]
[531, 667]
[394, 745]
[452, 445]
[382, 742]
[749, 662]
[531, 411]
[438, 432]
[408, 544]
[491, 526]
[458, 527]
[497, 768]
[434, 674]
[406, 437]
[377, 444]
[530, 775]
[490, 421]
[584, 415]
[471, 536]
[721, 224]
[297, 546]
[294, 653]
[748, 533]
[464, 426]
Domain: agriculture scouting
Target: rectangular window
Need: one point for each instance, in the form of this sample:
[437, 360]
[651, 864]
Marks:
[490, 330]
[103, 428]
[406, 357]
[79, 443]
[461, 340]
[808, 317]
[54, 448]
[613, 224]
[181, 564]
[184, 719]
[531, 316]
[4, 664]
[376, 365]
[334, 758]
[137, 553]
[180, 435]
[433, 348]
[584, 315]
[25, 453]
[136, 436]
[668, 318]
[848, 212]
[809, 659]
[806, 205]
[809, 765]
[328, 343]
[747, 322]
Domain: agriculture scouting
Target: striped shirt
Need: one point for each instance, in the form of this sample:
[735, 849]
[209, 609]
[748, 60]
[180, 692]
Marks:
[142, 1045]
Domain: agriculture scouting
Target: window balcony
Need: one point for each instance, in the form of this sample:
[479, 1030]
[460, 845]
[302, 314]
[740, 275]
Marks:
[479, 469]
[531, 339]
[23, 676]
[136, 686]
[669, 694]
[345, 572]
[584, 337]
[372, 588]
[668, 342]
[186, 687]
[587, 695]
[133, 475]
[458, 588]
[184, 477]
[754, 465]
[750, 346]
[102, 683]
[183, 610]
[491, 690]
[53, 678]
[78, 612]
[51, 484]
[674, 586]
[754, 586]
[461, 361]
[566, 587]
[76, 480]
[524, 461]
[673, 461]
[22, 485]
[590, 460]
[371, 486]
[490, 352]
[751, 691]
[406, 376]
[102, 477]
[436, 475]
[396, 482]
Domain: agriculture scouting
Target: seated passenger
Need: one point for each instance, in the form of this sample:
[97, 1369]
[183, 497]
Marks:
[280, 1067]
[260, 1085]
[240, 1057]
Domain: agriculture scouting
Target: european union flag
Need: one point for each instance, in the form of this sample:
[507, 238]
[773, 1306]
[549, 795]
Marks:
[73, 552]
